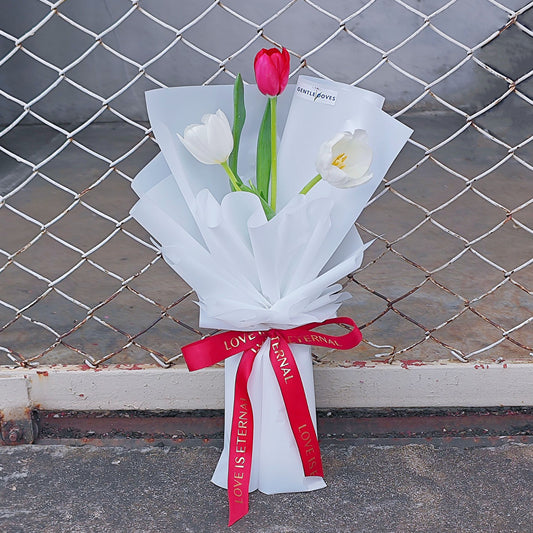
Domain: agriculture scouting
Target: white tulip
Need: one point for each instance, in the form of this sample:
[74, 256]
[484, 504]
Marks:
[210, 142]
[345, 160]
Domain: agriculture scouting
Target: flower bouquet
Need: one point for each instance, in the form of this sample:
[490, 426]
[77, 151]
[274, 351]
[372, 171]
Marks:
[264, 249]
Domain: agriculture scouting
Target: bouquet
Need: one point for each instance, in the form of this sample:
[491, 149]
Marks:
[265, 248]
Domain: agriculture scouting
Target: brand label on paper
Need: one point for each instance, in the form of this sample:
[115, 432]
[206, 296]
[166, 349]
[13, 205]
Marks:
[315, 93]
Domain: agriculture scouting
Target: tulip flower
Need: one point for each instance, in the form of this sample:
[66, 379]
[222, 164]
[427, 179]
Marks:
[272, 74]
[272, 70]
[210, 142]
[343, 161]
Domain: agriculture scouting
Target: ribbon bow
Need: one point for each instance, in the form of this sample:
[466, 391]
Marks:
[211, 350]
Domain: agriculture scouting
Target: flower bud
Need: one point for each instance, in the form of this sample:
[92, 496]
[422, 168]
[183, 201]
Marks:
[272, 70]
[210, 142]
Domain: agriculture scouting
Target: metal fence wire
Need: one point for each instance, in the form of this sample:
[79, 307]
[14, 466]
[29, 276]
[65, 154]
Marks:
[450, 274]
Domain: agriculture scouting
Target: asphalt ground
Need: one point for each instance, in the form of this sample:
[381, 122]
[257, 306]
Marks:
[458, 486]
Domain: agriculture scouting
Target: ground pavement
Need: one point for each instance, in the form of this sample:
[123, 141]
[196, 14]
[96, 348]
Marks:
[372, 487]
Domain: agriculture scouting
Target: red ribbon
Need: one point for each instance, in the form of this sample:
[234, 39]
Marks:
[211, 350]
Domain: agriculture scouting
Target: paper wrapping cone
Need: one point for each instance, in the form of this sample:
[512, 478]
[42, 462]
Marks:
[276, 463]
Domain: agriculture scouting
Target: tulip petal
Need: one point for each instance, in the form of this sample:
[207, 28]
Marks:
[265, 76]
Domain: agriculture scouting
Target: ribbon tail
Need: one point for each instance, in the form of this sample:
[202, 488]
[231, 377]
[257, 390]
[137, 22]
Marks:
[293, 393]
[241, 441]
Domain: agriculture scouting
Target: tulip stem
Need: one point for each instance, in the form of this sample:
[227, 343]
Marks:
[232, 177]
[273, 151]
[311, 184]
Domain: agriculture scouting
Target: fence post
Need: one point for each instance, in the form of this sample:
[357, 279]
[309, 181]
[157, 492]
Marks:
[16, 420]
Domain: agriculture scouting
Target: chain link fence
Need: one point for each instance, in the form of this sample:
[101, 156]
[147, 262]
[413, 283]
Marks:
[450, 274]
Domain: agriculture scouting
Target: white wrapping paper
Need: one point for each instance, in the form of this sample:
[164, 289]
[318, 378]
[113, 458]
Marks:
[250, 274]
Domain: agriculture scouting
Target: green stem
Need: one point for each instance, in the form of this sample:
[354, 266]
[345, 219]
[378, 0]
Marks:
[232, 177]
[273, 151]
[311, 184]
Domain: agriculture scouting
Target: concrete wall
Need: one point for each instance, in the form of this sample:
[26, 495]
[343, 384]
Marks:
[300, 28]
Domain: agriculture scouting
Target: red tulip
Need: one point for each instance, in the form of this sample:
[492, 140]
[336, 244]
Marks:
[272, 70]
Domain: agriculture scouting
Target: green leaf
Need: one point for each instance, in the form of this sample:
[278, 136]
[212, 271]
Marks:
[239, 116]
[264, 154]
[269, 212]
